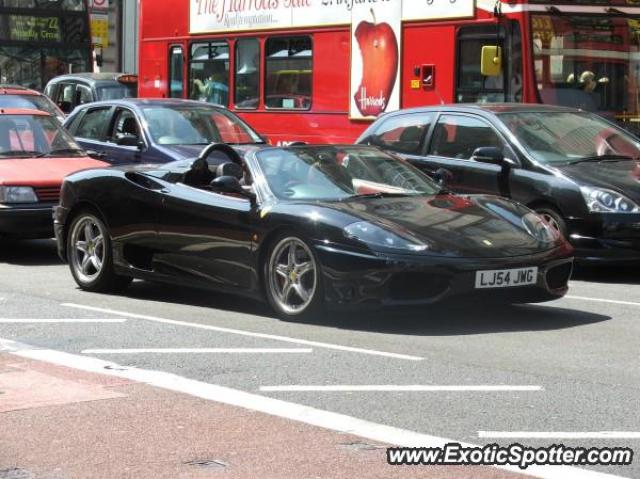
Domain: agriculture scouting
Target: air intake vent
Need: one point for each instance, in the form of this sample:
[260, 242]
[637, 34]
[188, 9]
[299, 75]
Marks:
[48, 195]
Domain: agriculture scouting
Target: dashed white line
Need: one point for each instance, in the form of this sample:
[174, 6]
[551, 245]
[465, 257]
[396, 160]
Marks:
[199, 351]
[558, 435]
[602, 300]
[241, 332]
[399, 388]
[275, 407]
[60, 320]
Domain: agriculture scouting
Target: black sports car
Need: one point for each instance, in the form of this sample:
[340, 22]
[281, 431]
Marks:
[304, 226]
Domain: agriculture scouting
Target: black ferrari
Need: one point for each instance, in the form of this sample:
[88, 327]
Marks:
[304, 227]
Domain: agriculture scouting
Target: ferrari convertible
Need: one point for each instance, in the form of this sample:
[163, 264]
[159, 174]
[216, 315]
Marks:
[304, 227]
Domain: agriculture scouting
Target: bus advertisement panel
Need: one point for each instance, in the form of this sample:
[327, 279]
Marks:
[315, 70]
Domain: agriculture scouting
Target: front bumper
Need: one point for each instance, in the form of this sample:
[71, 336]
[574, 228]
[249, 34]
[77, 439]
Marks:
[607, 238]
[27, 221]
[359, 279]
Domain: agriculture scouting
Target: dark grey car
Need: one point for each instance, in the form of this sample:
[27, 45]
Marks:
[573, 167]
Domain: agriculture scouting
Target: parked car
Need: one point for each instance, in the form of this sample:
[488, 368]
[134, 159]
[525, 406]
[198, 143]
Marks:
[14, 96]
[580, 172]
[70, 91]
[306, 225]
[35, 155]
[155, 130]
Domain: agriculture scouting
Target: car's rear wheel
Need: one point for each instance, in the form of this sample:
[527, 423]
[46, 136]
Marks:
[89, 255]
[293, 278]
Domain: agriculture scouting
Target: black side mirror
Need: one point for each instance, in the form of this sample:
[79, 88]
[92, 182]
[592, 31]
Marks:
[128, 140]
[231, 184]
[488, 154]
[442, 177]
[226, 184]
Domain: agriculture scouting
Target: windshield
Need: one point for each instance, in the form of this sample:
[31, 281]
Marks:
[590, 62]
[334, 173]
[117, 92]
[29, 102]
[196, 125]
[563, 137]
[25, 136]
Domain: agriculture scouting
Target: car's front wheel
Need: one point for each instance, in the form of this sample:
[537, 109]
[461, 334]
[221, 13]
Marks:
[293, 278]
[554, 218]
[89, 255]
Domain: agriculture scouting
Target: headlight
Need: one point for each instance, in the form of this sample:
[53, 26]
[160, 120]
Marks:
[601, 200]
[17, 194]
[376, 236]
[537, 227]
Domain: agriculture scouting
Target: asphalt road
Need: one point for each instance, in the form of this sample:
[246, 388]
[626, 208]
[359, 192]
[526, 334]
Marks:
[570, 366]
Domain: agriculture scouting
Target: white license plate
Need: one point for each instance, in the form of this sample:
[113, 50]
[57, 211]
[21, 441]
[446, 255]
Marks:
[505, 278]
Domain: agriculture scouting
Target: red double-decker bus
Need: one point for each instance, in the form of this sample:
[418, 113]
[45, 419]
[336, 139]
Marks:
[319, 70]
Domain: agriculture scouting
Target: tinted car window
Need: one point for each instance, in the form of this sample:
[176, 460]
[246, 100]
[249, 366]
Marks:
[91, 126]
[189, 124]
[125, 124]
[84, 95]
[561, 137]
[117, 92]
[29, 135]
[403, 133]
[64, 97]
[458, 136]
[28, 101]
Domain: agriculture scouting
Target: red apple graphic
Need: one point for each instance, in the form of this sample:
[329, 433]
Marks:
[379, 52]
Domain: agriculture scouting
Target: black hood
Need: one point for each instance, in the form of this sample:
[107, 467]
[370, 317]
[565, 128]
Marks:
[452, 225]
[621, 176]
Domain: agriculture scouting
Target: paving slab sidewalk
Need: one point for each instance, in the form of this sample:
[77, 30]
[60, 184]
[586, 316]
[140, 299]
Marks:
[60, 423]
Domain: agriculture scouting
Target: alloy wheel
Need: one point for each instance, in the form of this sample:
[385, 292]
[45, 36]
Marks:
[87, 248]
[292, 275]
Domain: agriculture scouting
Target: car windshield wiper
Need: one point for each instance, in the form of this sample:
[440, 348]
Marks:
[383, 194]
[21, 153]
[62, 151]
[602, 158]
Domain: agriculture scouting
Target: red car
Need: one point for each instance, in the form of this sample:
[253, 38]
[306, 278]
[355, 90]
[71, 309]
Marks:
[13, 96]
[36, 153]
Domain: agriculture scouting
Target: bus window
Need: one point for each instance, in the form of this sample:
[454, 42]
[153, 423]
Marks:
[472, 85]
[209, 72]
[288, 73]
[247, 79]
[176, 59]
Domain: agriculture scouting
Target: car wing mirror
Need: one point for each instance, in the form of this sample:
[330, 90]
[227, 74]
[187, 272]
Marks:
[442, 176]
[128, 139]
[489, 154]
[226, 184]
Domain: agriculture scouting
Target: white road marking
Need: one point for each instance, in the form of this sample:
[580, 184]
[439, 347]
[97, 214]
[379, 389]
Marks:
[60, 320]
[398, 388]
[199, 351]
[247, 333]
[559, 435]
[275, 407]
[602, 300]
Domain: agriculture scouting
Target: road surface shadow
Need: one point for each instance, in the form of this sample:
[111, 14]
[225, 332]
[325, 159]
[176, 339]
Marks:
[29, 252]
[445, 319]
[458, 319]
[607, 274]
